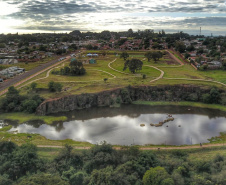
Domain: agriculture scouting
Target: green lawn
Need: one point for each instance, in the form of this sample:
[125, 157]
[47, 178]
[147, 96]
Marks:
[24, 117]
[93, 80]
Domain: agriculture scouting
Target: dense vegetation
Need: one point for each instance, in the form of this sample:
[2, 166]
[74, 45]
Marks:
[75, 68]
[134, 65]
[14, 102]
[104, 165]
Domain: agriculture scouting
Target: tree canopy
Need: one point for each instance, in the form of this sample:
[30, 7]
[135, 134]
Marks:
[155, 55]
[134, 65]
[124, 55]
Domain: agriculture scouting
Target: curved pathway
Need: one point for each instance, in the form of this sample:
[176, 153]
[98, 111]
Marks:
[161, 75]
[109, 65]
[179, 61]
[203, 80]
[47, 75]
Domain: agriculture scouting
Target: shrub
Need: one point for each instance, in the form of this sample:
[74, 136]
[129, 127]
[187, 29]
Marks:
[54, 86]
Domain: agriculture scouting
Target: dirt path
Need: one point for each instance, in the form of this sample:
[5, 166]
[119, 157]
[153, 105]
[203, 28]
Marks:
[181, 64]
[203, 80]
[47, 75]
[143, 148]
[109, 65]
[175, 58]
[161, 75]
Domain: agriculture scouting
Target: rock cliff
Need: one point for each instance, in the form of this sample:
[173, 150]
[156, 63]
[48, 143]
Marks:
[124, 95]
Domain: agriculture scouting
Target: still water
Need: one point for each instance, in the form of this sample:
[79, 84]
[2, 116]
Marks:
[122, 125]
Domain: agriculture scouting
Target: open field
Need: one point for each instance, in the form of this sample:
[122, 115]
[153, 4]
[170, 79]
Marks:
[192, 104]
[111, 67]
[20, 117]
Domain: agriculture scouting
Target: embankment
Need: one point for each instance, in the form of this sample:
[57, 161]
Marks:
[174, 93]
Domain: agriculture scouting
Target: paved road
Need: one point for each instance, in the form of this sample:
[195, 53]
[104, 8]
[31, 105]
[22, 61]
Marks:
[5, 85]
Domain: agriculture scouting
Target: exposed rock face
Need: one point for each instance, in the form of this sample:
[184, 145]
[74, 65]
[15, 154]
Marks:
[125, 95]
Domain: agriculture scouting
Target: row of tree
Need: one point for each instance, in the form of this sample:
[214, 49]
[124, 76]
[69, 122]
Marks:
[14, 102]
[75, 68]
[135, 65]
[103, 165]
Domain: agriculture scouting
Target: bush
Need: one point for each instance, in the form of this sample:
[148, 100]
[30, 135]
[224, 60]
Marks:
[54, 86]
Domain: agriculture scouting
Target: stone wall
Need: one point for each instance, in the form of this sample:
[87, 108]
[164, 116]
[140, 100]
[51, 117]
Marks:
[125, 95]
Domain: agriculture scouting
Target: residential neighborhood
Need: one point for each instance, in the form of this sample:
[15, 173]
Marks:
[202, 52]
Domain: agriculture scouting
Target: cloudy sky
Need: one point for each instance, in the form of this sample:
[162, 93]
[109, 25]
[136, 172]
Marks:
[28, 16]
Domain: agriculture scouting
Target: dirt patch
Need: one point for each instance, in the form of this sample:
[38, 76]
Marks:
[170, 62]
[192, 77]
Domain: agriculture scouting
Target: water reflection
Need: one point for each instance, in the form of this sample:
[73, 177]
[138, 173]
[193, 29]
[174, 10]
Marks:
[122, 125]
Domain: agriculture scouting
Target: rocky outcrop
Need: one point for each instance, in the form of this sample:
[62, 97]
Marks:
[125, 95]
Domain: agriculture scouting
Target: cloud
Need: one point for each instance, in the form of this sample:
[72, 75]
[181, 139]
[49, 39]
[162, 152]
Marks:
[96, 15]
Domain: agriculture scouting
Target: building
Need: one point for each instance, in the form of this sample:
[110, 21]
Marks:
[92, 61]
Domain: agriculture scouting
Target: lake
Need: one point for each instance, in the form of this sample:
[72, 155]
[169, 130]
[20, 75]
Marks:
[122, 125]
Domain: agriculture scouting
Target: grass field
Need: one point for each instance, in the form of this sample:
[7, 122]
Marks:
[93, 80]
[23, 117]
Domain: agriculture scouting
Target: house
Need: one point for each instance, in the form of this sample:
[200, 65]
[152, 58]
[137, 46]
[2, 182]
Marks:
[214, 65]
[92, 61]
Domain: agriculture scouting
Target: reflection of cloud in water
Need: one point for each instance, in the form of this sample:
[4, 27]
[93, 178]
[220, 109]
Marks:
[125, 130]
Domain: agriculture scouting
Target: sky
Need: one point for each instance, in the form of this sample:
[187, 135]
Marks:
[37, 16]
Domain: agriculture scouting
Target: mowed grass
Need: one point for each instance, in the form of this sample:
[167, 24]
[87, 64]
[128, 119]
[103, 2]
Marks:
[206, 154]
[93, 80]
[22, 138]
[183, 103]
[24, 117]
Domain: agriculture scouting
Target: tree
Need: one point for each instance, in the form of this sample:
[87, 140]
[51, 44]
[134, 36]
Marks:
[42, 178]
[133, 64]
[25, 159]
[73, 47]
[29, 105]
[76, 68]
[187, 55]
[148, 55]
[7, 147]
[5, 181]
[180, 46]
[224, 65]
[103, 53]
[155, 55]
[157, 176]
[12, 100]
[54, 86]
[33, 85]
[124, 55]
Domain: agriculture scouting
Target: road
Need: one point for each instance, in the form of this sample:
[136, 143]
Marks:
[15, 81]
